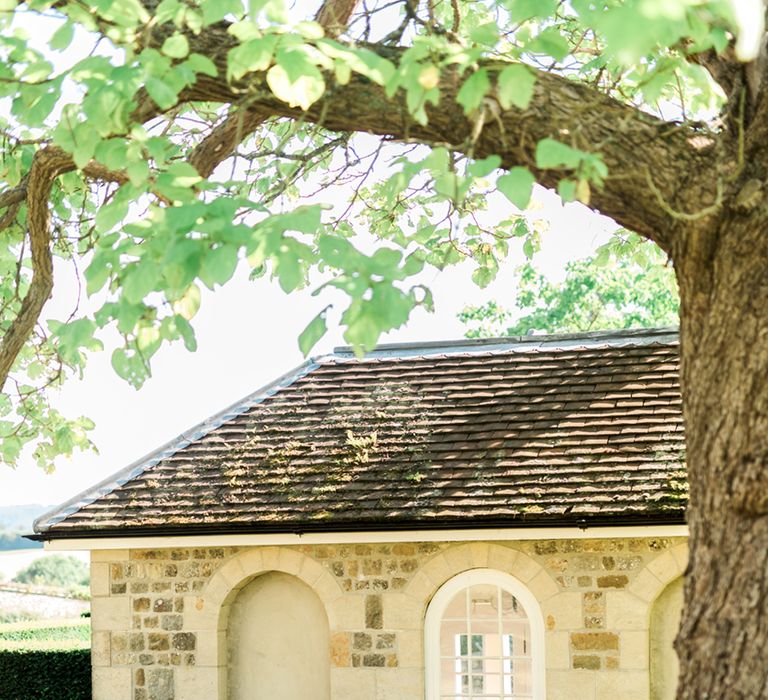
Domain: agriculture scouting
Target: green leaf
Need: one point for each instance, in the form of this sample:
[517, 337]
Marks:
[315, 330]
[527, 9]
[515, 86]
[295, 81]
[517, 186]
[109, 215]
[567, 190]
[163, 95]
[141, 279]
[473, 90]
[550, 42]
[218, 265]
[484, 167]
[62, 37]
[483, 276]
[189, 304]
[176, 46]
[553, 154]
[202, 64]
[251, 56]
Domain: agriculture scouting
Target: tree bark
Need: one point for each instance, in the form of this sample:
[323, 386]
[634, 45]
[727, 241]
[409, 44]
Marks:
[723, 640]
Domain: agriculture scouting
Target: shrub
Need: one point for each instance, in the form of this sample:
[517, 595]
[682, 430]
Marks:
[56, 570]
[45, 674]
[45, 660]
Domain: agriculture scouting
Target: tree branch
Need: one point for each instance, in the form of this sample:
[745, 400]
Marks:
[48, 164]
[630, 141]
[333, 16]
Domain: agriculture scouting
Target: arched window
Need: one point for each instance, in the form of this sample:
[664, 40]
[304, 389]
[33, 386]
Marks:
[484, 637]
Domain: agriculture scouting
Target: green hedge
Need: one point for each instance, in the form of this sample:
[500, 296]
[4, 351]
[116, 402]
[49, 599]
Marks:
[31, 632]
[45, 660]
[45, 674]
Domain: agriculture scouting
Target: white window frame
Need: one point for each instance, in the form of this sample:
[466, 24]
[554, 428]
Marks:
[444, 595]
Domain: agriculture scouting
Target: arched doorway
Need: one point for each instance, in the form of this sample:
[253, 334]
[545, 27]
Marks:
[277, 641]
[665, 621]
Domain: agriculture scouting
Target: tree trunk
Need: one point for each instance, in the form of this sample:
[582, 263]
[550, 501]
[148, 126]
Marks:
[723, 641]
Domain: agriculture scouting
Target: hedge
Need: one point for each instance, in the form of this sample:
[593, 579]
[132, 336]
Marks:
[45, 674]
[45, 661]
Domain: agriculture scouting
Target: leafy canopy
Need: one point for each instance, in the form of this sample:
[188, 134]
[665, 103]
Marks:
[56, 570]
[628, 290]
[155, 147]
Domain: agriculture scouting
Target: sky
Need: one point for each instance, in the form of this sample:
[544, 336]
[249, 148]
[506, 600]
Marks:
[247, 336]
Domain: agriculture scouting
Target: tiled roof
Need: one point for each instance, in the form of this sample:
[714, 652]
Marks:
[519, 431]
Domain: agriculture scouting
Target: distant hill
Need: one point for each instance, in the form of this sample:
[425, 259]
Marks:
[19, 518]
[16, 521]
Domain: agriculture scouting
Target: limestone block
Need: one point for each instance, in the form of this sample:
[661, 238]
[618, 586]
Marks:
[438, 570]
[402, 612]
[625, 611]
[525, 568]
[101, 649]
[479, 552]
[271, 557]
[353, 684]
[109, 555]
[327, 588]
[232, 572]
[421, 586]
[290, 560]
[197, 683]
[634, 649]
[646, 585]
[399, 684]
[310, 571]
[217, 590]
[570, 685]
[110, 613]
[563, 611]
[680, 553]
[160, 685]
[665, 567]
[99, 579]
[627, 685]
[557, 646]
[211, 648]
[458, 558]
[251, 562]
[200, 613]
[410, 649]
[543, 586]
[502, 559]
[112, 683]
[347, 612]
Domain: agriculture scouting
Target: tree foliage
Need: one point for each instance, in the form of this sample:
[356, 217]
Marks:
[155, 146]
[598, 293]
[55, 570]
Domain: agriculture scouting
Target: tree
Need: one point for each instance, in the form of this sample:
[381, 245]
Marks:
[596, 294]
[174, 137]
[56, 570]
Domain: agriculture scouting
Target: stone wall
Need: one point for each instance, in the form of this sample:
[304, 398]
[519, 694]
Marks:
[160, 615]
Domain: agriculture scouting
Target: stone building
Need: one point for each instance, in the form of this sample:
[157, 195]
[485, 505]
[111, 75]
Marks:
[485, 519]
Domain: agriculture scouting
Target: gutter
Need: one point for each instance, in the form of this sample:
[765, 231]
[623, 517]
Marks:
[309, 528]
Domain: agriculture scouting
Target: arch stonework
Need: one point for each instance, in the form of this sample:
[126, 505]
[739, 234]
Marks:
[207, 613]
[479, 555]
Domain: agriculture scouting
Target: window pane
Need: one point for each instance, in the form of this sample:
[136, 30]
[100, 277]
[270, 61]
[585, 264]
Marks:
[485, 646]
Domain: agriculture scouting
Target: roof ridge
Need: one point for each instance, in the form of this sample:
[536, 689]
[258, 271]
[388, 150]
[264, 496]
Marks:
[621, 337]
[196, 432]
